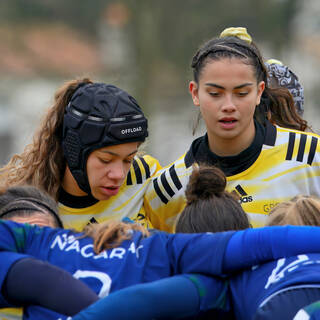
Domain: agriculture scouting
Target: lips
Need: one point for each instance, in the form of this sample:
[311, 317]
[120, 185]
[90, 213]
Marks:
[110, 191]
[228, 123]
[228, 120]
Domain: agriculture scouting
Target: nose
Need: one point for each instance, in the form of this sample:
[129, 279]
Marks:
[228, 104]
[117, 171]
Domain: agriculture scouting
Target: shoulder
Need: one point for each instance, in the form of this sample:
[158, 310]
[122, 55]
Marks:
[177, 166]
[170, 181]
[286, 132]
[300, 145]
[142, 168]
[164, 198]
[172, 178]
[157, 240]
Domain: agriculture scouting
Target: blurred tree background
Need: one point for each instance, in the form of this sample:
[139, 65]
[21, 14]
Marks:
[143, 46]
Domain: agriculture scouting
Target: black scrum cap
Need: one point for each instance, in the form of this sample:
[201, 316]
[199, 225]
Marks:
[99, 115]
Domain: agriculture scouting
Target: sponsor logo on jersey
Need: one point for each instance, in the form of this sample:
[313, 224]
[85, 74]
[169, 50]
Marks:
[267, 207]
[244, 197]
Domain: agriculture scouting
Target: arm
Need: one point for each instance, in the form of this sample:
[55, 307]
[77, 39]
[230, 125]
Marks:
[224, 252]
[13, 236]
[33, 282]
[7, 260]
[255, 246]
[169, 298]
[164, 198]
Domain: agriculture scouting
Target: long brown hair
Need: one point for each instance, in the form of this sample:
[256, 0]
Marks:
[111, 233]
[299, 211]
[42, 164]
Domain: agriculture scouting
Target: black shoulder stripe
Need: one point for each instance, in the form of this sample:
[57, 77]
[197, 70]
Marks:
[158, 191]
[302, 146]
[166, 184]
[129, 179]
[240, 190]
[175, 178]
[146, 167]
[137, 171]
[271, 134]
[312, 152]
[189, 159]
[292, 137]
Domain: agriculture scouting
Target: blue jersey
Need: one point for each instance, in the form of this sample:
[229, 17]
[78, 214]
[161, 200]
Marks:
[182, 296]
[161, 255]
[247, 292]
[135, 261]
[253, 288]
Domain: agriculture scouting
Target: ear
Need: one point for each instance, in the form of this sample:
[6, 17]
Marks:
[194, 91]
[261, 86]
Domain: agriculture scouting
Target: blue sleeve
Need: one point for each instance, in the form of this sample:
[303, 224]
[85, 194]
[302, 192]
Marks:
[28, 280]
[24, 238]
[220, 253]
[197, 253]
[213, 292]
[7, 260]
[169, 298]
[13, 236]
[255, 246]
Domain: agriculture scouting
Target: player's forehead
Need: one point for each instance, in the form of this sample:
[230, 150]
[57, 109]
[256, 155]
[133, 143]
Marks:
[37, 218]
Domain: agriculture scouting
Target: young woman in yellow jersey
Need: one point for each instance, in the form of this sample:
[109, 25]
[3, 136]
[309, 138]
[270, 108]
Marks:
[248, 135]
[85, 155]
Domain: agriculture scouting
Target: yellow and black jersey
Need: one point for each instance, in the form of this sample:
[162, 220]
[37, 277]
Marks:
[11, 314]
[127, 204]
[287, 164]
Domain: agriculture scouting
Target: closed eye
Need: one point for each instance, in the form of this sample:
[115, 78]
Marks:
[214, 94]
[104, 161]
[129, 160]
[242, 94]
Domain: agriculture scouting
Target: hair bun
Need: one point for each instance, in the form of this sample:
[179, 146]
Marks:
[205, 182]
[238, 32]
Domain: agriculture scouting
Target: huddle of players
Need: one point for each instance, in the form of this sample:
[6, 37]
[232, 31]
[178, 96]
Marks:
[85, 153]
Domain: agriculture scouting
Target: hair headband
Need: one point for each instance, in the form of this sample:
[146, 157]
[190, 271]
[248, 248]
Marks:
[29, 204]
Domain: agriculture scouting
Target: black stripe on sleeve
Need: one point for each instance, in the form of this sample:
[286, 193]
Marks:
[240, 190]
[166, 184]
[158, 191]
[302, 146]
[292, 137]
[129, 179]
[146, 167]
[271, 134]
[137, 171]
[175, 178]
[312, 151]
